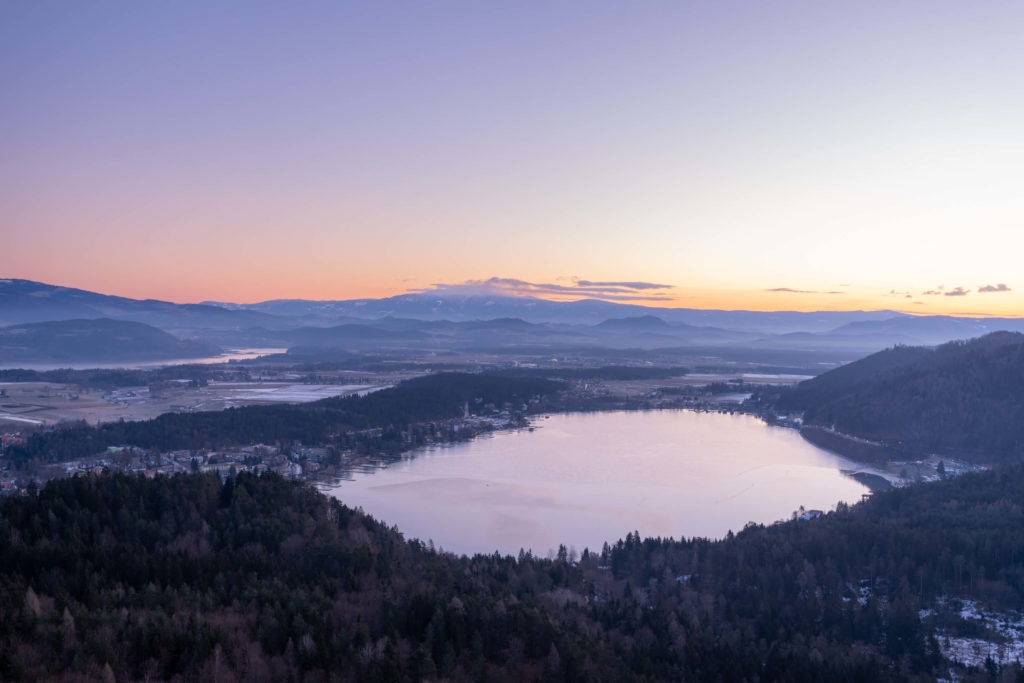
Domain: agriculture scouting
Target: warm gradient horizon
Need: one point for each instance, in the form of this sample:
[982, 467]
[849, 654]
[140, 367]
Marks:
[761, 156]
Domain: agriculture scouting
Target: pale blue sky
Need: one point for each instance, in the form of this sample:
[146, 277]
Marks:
[355, 149]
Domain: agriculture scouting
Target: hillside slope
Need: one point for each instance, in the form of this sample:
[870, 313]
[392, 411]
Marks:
[95, 340]
[962, 399]
[25, 301]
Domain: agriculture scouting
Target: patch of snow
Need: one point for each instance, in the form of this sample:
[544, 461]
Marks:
[15, 418]
[974, 651]
[299, 393]
[1006, 643]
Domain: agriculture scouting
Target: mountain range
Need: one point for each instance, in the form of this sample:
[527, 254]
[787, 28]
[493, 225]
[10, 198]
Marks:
[25, 301]
[462, 307]
[442, 321]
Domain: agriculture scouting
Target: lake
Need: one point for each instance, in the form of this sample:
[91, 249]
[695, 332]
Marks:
[225, 357]
[585, 478]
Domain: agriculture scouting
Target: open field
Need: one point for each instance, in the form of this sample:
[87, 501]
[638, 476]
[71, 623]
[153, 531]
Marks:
[24, 404]
[642, 387]
[44, 403]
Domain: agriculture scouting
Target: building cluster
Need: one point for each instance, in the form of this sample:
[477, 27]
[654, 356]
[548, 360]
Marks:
[457, 429]
[932, 468]
[296, 460]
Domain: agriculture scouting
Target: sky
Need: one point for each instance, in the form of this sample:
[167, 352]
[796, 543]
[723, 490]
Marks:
[782, 155]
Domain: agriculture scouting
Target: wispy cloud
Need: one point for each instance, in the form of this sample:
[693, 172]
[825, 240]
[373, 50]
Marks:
[959, 291]
[579, 289]
[994, 288]
[628, 285]
[790, 290]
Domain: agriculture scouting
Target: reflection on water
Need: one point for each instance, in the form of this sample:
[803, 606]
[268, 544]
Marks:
[227, 356]
[583, 479]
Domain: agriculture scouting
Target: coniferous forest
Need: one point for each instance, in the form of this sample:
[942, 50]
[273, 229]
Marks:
[963, 399]
[114, 577]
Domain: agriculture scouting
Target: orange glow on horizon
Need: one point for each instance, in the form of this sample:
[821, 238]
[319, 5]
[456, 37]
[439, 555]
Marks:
[195, 287]
[684, 153]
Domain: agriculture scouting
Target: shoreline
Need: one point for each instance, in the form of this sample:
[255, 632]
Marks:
[869, 472]
[762, 458]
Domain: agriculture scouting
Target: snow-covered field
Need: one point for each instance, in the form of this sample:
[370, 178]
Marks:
[15, 418]
[1005, 646]
[290, 393]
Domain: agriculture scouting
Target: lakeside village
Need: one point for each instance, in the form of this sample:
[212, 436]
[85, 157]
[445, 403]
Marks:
[313, 462]
[377, 446]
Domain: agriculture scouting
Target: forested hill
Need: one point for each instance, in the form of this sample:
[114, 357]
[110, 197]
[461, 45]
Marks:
[961, 399]
[95, 340]
[264, 579]
[432, 397]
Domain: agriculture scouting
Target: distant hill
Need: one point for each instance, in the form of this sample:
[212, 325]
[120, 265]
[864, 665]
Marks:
[497, 323]
[932, 329]
[867, 336]
[417, 335]
[645, 323]
[962, 399]
[25, 301]
[94, 340]
[352, 336]
[461, 308]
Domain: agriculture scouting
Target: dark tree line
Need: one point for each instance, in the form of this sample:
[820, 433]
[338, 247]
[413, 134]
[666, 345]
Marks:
[260, 578]
[962, 399]
[604, 372]
[432, 397]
